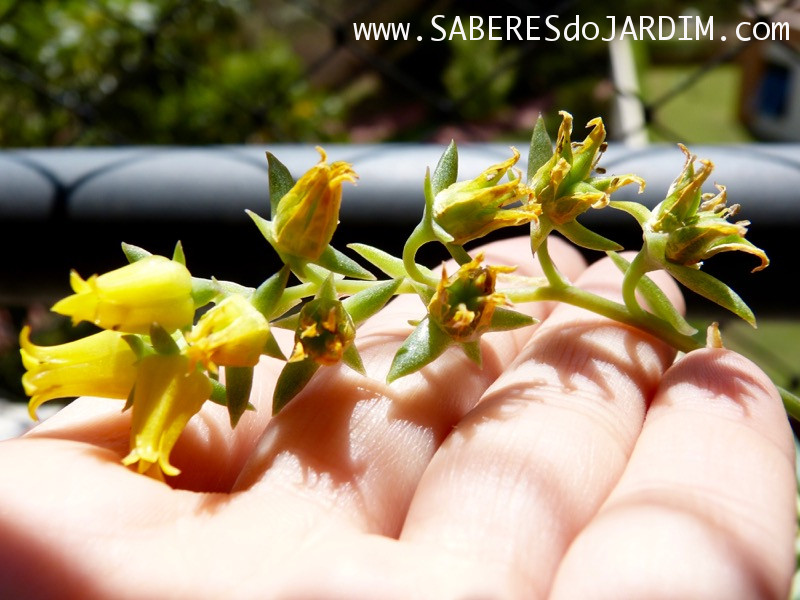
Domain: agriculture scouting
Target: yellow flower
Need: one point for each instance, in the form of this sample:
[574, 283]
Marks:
[132, 298]
[696, 225]
[167, 394]
[464, 304]
[102, 364]
[325, 330]
[470, 209]
[308, 214]
[233, 333]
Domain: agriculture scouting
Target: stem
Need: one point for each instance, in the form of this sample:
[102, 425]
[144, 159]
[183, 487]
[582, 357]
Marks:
[790, 402]
[458, 253]
[554, 276]
[633, 275]
[416, 240]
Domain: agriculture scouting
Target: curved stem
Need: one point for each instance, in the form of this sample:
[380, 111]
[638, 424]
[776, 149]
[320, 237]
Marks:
[458, 253]
[554, 276]
[790, 402]
[416, 240]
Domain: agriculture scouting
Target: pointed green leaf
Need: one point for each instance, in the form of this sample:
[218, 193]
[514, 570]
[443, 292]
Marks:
[504, 319]
[162, 341]
[636, 210]
[423, 346]
[134, 253]
[289, 323]
[446, 171]
[540, 229]
[280, 182]
[391, 265]
[473, 352]
[268, 294]
[238, 382]
[366, 303]
[203, 291]
[656, 299]
[328, 289]
[129, 399]
[586, 238]
[541, 149]
[352, 359]
[264, 226]
[271, 348]
[293, 378]
[218, 393]
[136, 344]
[333, 260]
[177, 255]
[712, 288]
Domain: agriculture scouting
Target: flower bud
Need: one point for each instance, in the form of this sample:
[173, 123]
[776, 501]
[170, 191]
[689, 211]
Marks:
[308, 214]
[463, 304]
[232, 334]
[102, 364]
[470, 209]
[132, 298]
[325, 330]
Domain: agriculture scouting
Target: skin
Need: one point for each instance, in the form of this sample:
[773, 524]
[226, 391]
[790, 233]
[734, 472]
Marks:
[580, 462]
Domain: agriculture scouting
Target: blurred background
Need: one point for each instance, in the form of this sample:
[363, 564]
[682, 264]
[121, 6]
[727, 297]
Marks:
[89, 87]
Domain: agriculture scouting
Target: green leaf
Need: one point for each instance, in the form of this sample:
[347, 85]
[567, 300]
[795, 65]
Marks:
[424, 345]
[541, 149]
[162, 341]
[177, 255]
[712, 288]
[540, 229]
[218, 393]
[586, 238]
[446, 171]
[238, 382]
[656, 299]
[203, 291]
[129, 399]
[333, 260]
[293, 378]
[366, 303]
[636, 210]
[268, 294]
[134, 253]
[473, 352]
[280, 182]
[393, 266]
[352, 359]
[327, 290]
[504, 319]
[271, 348]
[137, 345]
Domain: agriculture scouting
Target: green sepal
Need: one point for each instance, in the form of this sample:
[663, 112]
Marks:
[129, 399]
[333, 260]
[446, 171]
[362, 305]
[238, 383]
[391, 265]
[656, 299]
[178, 255]
[327, 290]
[428, 224]
[638, 211]
[268, 294]
[713, 289]
[271, 348]
[134, 253]
[424, 345]
[352, 359]
[540, 229]
[203, 291]
[162, 341]
[280, 182]
[541, 149]
[289, 323]
[291, 381]
[586, 238]
[504, 319]
[137, 345]
[218, 393]
[473, 352]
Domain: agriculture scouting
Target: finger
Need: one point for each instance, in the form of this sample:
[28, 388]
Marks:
[524, 472]
[706, 507]
[354, 446]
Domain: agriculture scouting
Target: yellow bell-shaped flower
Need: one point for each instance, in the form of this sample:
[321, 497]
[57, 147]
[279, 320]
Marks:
[154, 289]
[167, 394]
[232, 334]
[102, 364]
[308, 214]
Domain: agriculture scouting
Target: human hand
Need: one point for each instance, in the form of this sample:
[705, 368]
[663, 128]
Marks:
[577, 463]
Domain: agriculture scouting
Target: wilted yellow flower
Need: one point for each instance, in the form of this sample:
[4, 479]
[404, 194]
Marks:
[470, 209]
[308, 214]
[167, 394]
[102, 364]
[696, 225]
[154, 289]
[325, 330]
[232, 333]
[564, 185]
[463, 304]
